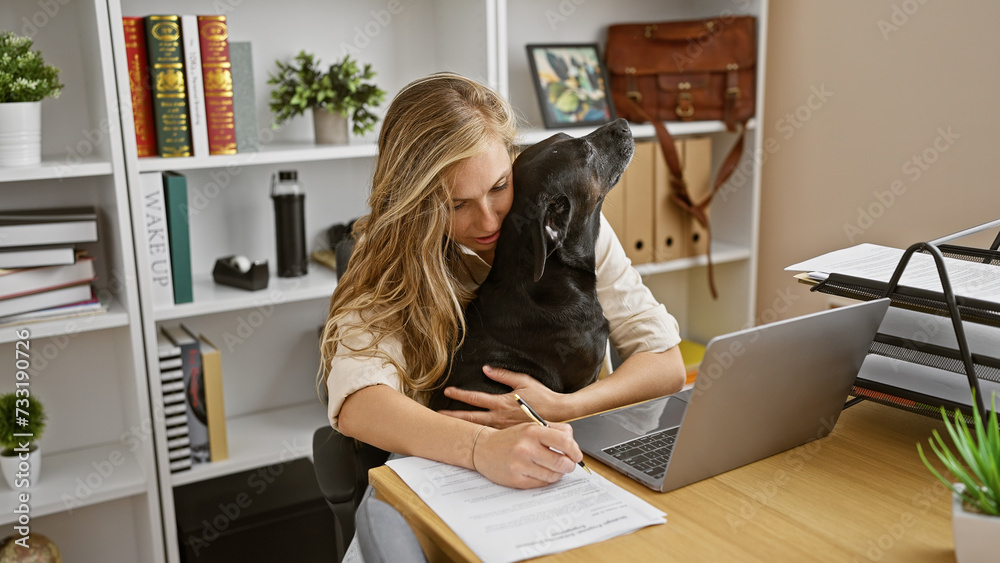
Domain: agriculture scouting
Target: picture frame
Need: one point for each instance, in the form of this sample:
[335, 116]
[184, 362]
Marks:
[571, 82]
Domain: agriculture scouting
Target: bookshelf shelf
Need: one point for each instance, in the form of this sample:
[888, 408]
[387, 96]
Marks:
[79, 478]
[639, 130]
[115, 317]
[56, 170]
[721, 254]
[269, 154]
[210, 297]
[261, 439]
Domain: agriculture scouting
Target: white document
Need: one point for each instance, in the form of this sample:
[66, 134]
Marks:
[874, 262]
[501, 525]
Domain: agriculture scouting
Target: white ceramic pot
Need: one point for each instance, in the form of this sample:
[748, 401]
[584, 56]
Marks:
[10, 467]
[20, 133]
[330, 128]
[977, 536]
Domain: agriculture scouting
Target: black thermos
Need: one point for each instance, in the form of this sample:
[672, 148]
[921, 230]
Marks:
[289, 224]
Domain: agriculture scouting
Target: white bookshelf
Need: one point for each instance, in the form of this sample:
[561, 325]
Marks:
[105, 380]
[89, 371]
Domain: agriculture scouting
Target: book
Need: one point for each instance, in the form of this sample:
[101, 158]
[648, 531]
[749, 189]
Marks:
[157, 242]
[216, 68]
[25, 281]
[179, 239]
[195, 85]
[168, 88]
[192, 400]
[211, 363]
[41, 227]
[244, 104]
[93, 306]
[45, 300]
[34, 256]
[138, 80]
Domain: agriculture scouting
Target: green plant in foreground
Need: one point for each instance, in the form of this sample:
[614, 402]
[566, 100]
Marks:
[31, 412]
[980, 452]
[24, 76]
[342, 89]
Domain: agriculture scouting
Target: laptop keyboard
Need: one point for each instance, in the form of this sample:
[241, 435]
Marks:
[649, 454]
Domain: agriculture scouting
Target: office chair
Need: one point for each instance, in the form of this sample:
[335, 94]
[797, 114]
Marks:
[341, 466]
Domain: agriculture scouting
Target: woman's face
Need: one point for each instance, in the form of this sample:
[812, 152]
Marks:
[481, 193]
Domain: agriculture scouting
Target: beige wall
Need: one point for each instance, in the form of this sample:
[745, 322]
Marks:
[931, 86]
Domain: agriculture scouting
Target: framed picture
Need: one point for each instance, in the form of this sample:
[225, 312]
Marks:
[571, 83]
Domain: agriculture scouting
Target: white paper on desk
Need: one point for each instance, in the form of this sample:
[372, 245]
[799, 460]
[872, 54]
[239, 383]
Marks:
[501, 525]
[874, 262]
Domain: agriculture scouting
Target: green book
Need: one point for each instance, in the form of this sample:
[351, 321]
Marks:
[166, 72]
[244, 107]
[175, 192]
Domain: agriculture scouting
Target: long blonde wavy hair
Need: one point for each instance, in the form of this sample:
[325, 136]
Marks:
[399, 281]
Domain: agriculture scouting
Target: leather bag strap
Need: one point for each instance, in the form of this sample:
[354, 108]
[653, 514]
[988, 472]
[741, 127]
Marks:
[678, 187]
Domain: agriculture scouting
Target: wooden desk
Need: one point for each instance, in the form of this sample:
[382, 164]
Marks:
[860, 494]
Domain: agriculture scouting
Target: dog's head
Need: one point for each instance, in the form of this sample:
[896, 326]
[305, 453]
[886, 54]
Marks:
[560, 185]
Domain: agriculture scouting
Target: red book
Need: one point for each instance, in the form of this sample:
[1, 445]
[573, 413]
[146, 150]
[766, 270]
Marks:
[213, 33]
[138, 81]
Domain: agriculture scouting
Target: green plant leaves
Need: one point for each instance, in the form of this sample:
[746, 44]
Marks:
[343, 89]
[13, 409]
[24, 76]
[977, 462]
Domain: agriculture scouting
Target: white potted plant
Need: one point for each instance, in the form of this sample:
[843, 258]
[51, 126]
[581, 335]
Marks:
[25, 80]
[975, 485]
[340, 93]
[24, 416]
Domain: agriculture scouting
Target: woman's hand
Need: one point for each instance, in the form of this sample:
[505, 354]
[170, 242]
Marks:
[522, 456]
[503, 411]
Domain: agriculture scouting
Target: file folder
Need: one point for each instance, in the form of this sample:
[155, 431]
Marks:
[637, 182]
[696, 162]
[669, 220]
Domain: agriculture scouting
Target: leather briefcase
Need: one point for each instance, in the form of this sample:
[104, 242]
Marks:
[687, 71]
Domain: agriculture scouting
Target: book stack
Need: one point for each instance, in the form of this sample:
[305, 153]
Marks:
[43, 274]
[192, 91]
[196, 394]
[168, 242]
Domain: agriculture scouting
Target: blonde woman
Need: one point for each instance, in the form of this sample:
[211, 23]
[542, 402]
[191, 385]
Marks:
[441, 188]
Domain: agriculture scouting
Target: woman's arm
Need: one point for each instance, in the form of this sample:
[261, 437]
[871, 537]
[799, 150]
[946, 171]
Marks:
[519, 456]
[645, 375]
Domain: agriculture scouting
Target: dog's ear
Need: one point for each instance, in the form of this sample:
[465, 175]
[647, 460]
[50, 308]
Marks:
[553, 220]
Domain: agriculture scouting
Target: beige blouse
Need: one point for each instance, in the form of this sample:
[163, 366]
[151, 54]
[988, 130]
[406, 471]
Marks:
[638, 322]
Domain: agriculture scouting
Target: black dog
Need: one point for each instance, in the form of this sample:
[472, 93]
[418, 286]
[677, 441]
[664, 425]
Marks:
[537, 311]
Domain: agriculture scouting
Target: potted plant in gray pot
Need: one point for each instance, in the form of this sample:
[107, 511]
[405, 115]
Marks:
[25, 80]
[975, 482]
[339, 94]
[22, 421]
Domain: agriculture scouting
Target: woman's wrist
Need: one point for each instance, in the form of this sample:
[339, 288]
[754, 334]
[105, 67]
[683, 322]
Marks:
[475, 441]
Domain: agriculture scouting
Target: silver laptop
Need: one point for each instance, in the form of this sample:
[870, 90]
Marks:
[759, 392]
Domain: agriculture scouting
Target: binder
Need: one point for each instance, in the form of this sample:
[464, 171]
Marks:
[696, 162]
[669, 220]
[947, 361]
[637, 182]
